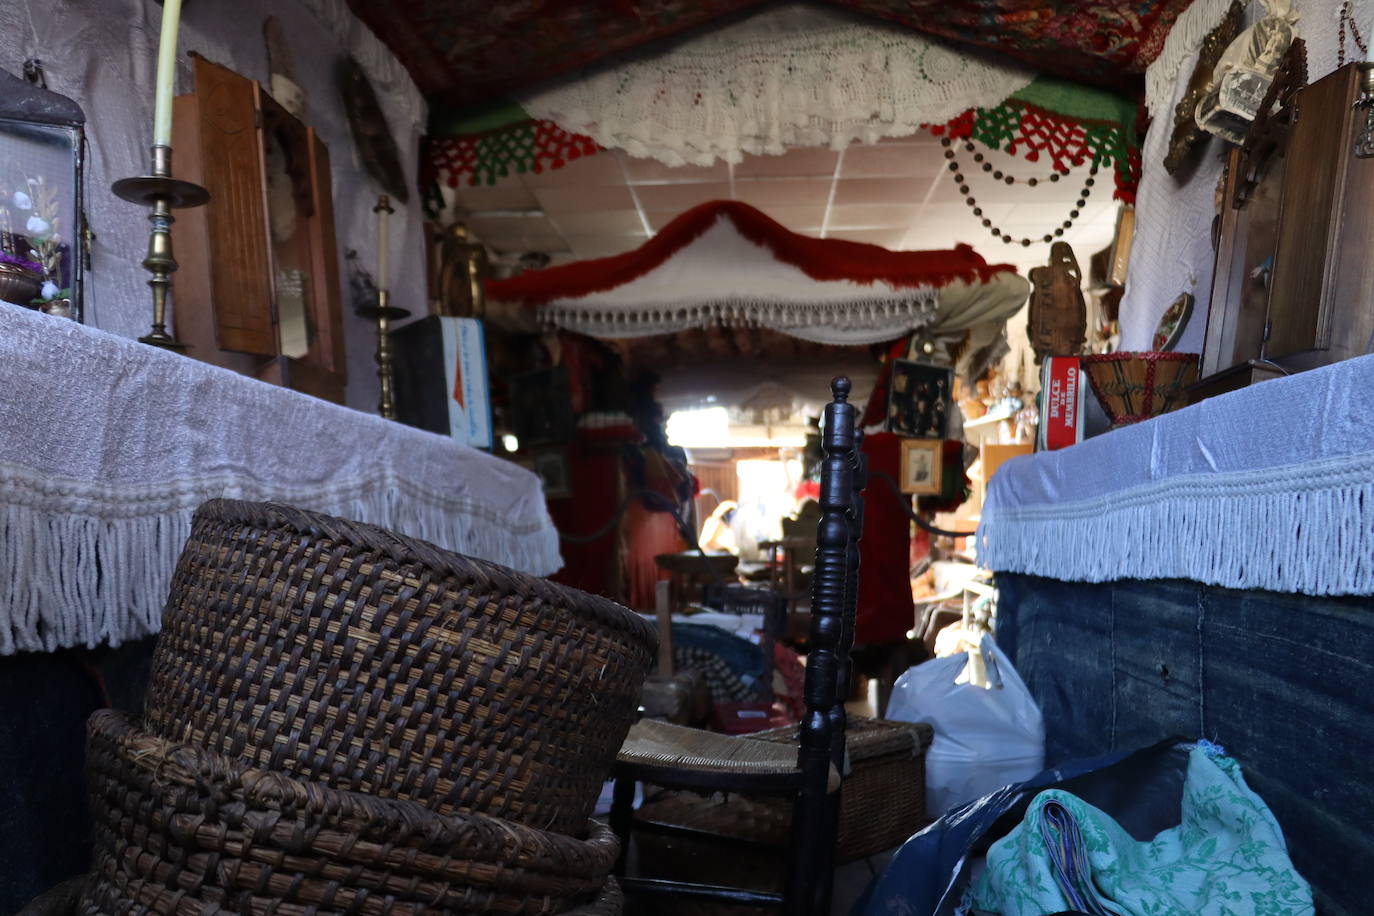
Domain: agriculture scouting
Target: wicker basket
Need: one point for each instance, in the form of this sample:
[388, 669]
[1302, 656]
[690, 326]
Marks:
[341, 653]
[181, 829]
[1132, 387]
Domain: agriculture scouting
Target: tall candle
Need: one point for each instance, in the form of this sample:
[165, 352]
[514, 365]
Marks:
[166, 73]
[383, 209]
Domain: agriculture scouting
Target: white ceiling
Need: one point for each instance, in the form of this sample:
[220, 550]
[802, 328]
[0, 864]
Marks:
[897, 193]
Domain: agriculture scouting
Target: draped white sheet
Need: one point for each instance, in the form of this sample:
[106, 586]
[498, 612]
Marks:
[107, 446]
[723, 277]
[789, 76]
[1270, 487]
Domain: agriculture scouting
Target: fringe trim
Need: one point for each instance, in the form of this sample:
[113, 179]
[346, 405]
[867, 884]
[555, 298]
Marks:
[1181, 47]
[89, 565]
[1305, 528]
[882, 316]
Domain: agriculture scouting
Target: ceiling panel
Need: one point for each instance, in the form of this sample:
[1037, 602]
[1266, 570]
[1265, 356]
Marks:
[611, 222]
[881, 190]
[680, 197]
[889, 161]
[795, 163]
[601, 246]
[588, 199]
[510, 194]
[641, 171]
[787, 192]
[862, 216]
[594, 205]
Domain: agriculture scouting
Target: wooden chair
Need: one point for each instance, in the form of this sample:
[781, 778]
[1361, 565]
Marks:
[672, 756]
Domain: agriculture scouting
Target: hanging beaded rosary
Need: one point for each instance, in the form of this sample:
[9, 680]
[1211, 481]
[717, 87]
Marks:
[999, 175]
[1348, 21]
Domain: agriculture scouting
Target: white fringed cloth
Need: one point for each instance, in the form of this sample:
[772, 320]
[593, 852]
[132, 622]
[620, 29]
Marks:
[1270, 487]
[108, 445]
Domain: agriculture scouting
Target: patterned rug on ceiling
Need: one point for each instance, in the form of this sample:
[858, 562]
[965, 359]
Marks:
[462, 52]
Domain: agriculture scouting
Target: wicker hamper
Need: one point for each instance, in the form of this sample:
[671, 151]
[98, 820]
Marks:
[344, 654]
[184, 830]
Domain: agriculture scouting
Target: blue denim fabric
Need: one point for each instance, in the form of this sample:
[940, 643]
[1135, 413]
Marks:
[45, 825]
[1284, 682]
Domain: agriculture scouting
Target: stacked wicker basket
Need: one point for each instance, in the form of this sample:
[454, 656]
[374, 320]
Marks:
[341, 720]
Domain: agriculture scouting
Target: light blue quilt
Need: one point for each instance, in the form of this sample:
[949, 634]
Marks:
[1227, 857]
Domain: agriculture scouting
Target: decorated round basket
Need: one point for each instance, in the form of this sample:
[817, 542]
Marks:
[1133, 386]
[345, 654]
[179, 829]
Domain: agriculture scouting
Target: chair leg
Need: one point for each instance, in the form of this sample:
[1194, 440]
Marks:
[622, 817]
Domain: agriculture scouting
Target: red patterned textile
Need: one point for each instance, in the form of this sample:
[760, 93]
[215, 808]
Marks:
[1101, 42]
[530, 146]
[465, 51]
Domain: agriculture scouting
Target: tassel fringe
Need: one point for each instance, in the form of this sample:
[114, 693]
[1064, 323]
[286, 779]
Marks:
[83, 579]
[1300, 529]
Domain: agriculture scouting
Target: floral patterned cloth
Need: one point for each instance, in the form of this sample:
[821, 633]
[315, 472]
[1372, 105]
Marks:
[1227, 857]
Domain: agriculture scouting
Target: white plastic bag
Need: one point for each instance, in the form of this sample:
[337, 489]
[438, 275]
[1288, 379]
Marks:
[986, 737]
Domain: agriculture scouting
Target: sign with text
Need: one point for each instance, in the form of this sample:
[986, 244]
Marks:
[1061, 402]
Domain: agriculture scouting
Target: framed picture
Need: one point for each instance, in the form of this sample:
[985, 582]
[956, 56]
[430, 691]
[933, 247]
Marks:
[918, 399]
[922, 473]
[551, 466]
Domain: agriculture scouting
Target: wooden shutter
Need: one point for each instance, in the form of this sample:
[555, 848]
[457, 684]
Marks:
[241, 264]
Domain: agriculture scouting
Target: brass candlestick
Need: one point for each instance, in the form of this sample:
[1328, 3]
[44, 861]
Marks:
[386, 405]
[163, 193]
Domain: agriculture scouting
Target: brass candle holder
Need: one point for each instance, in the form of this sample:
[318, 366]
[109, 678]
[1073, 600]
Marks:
[384, 313]
[162, 193]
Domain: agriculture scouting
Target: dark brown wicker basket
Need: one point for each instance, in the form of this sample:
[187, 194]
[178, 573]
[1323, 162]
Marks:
[183, 830]
[345, 654]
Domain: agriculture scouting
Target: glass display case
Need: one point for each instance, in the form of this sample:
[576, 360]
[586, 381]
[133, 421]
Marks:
[42, 140]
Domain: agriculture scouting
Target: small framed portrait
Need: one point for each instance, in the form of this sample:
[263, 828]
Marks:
[551, 466]
[918, 399]
[922, 473]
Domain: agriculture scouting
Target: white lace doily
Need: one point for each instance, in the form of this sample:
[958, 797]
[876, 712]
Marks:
[789, 76]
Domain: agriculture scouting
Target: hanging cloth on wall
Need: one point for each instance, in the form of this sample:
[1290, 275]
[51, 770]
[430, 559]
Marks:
[789, 76]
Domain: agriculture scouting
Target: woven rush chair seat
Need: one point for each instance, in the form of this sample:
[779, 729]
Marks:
[344, 654]
[658, 745]
[881, 806]
[180, 829]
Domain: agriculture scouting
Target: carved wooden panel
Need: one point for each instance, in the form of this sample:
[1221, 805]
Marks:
[232, 168]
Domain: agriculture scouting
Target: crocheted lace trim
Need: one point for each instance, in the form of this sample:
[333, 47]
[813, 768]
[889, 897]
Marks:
[789, 76]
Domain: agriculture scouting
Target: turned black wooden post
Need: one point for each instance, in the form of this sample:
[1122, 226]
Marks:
[810, 881]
